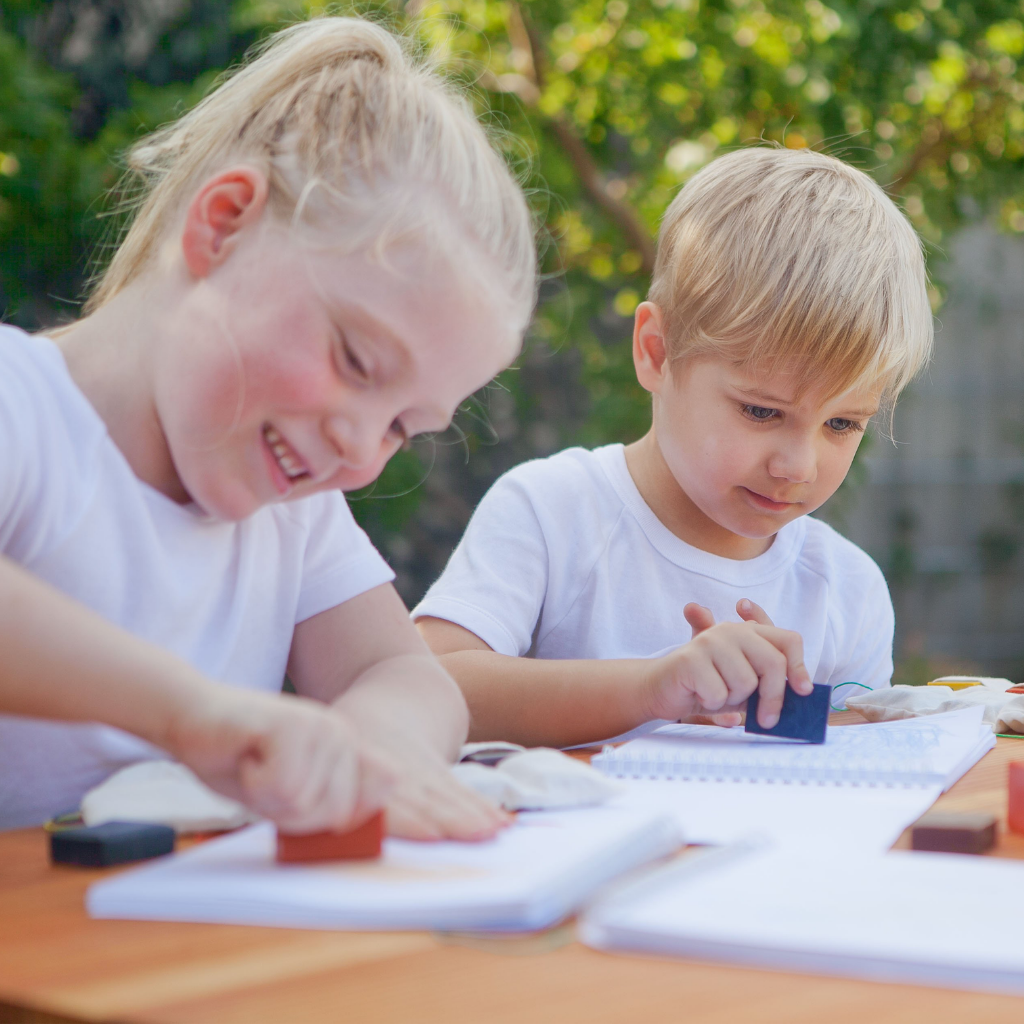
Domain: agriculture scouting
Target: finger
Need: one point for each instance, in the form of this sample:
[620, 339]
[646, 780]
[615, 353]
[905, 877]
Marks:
[750, 612]
[792, 646]
[699, 618]
[739, 674]
[770, 665]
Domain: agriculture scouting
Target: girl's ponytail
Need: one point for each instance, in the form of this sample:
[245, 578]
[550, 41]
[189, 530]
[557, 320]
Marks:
[337, 111]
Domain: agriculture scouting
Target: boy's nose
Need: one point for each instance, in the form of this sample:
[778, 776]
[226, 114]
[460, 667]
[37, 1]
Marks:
[796, 463]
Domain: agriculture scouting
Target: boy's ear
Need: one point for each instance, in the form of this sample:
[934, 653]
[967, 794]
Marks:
[650, 356]
[223, 206]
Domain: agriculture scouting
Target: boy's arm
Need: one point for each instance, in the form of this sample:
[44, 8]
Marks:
[365, 657]
[284, 757]
[540, 702]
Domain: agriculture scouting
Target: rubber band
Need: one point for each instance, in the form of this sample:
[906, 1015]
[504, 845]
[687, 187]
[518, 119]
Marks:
[836, 687]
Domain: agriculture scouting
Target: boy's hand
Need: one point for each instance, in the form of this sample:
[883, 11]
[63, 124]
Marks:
[724, 663]
[287, 758]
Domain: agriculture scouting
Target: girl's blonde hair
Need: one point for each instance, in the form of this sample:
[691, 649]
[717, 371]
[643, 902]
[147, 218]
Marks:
[793, 259]
[341, 117]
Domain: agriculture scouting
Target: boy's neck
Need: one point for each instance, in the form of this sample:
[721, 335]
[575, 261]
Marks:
[675, 509]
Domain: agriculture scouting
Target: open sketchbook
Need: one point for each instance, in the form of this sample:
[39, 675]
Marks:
[533, 874]
[930, 918]
[929, 751]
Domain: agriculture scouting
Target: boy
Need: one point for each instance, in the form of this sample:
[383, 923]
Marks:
[788, 305]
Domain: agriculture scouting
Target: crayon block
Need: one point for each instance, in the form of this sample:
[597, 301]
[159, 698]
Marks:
[362, 843]
[1015, 817]
[948, 832]
[802, 718]
[114, 842]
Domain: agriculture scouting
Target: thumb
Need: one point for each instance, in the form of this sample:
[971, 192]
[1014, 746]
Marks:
[699, 617]
[750, 612]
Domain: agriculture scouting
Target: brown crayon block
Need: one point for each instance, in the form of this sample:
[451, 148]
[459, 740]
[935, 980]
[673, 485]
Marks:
[362, 843]
[948, 832]
[1015, 817]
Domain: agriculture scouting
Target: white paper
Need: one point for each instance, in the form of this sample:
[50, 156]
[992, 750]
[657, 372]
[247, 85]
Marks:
[940, 919]
[853, 819]
[531, 875]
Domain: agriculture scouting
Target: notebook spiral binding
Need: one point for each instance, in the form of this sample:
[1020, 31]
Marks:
[812, 770]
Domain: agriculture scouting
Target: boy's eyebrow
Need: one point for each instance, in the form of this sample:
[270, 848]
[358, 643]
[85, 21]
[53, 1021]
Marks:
[763, 396]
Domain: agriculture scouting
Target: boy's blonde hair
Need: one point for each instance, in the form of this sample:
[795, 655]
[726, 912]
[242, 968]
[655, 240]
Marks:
[347, 126]
[791, 259]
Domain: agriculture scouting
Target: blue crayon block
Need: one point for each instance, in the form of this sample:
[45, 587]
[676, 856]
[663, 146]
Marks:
[802, 718]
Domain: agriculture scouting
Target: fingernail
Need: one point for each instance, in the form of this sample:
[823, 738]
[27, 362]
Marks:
[745, 604]
[770, 721]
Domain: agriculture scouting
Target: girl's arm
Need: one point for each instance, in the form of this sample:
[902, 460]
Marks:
[563, 702]
[283, 757]
[366, 658]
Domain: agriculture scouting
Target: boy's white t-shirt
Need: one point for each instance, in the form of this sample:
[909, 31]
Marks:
[563, 558]
[224, 596]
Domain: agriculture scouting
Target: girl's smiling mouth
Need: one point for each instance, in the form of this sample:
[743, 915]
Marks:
[285, 459]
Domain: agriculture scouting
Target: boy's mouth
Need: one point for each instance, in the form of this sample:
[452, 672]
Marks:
[769, 504]
[284, 455]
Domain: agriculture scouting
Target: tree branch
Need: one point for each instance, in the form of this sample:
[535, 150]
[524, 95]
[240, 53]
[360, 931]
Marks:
[528, 84]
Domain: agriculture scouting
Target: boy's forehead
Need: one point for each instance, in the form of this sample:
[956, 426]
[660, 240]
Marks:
[786, 384]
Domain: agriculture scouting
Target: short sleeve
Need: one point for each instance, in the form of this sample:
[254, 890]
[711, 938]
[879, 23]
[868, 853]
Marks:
[495, 582]
[340, 561]
[49, 442]
[864, 630]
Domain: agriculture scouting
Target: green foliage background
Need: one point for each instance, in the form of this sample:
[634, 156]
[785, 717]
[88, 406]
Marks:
[606, 107]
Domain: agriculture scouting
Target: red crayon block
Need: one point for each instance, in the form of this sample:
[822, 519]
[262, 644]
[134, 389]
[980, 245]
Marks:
[362, 843]
[1016, 810]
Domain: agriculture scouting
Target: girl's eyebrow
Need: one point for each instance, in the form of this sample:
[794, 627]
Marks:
[762, 396]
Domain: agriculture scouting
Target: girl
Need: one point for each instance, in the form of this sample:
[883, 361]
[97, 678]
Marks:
[329, 258]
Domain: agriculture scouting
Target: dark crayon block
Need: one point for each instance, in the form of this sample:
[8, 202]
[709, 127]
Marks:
[948, 832]
[114, 842]
[362, 843]
[802, 718]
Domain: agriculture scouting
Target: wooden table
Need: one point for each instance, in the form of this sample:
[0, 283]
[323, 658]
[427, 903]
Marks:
[57, 965]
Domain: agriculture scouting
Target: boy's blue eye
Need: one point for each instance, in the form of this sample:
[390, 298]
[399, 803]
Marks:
[759, 412]
[841, 426]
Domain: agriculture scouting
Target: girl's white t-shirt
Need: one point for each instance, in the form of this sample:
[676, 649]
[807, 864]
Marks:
[563, 558]
[224, 596]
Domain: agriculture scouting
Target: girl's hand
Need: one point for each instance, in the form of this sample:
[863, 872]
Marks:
[427, 802]
[287, 758]
[724, 663]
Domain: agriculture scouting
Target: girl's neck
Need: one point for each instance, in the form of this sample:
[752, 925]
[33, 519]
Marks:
[108, 357]
[676, 509]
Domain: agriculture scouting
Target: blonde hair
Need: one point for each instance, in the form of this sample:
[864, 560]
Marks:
[790, 258]
[340, 116]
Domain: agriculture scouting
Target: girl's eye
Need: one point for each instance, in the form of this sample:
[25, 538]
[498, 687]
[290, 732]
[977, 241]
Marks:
[760, 413]
[353, 362]
[840, 426]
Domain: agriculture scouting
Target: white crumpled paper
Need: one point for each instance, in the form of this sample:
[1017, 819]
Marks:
[538, 779]
[1004, 712]
[163, 793]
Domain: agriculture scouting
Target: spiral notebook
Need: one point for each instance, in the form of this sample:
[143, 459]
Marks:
[929, 751]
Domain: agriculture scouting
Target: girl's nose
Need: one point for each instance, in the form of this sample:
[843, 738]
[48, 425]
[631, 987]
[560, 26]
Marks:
[358, 443]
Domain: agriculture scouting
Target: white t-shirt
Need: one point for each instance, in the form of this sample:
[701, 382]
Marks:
[224, 596]
[564, 559]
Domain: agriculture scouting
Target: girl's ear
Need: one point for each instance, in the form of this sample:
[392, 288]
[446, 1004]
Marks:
[650, 356]
[223, 206]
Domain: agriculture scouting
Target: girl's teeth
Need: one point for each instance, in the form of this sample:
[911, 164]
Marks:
[281, 452]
